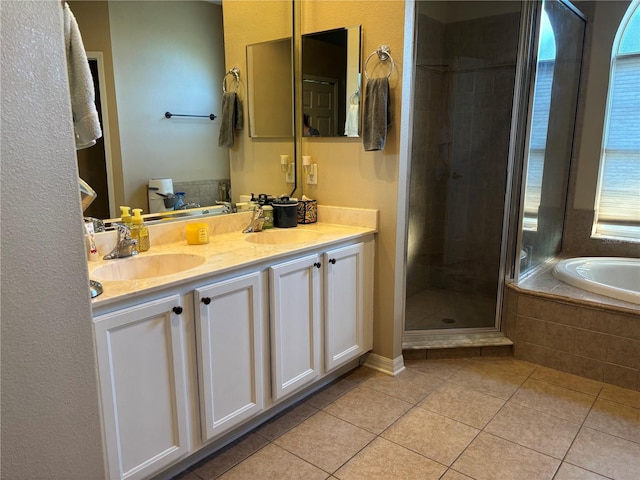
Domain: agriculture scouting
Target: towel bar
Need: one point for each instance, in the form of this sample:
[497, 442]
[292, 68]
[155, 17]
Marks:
[235, 71]
[211, 116]
[384, 54]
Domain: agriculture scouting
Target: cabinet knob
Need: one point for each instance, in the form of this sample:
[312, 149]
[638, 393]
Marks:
[177, 310]
[317, 264]
[205, 300]
[332, 261]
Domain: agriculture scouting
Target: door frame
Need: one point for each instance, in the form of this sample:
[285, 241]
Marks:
[98, 57]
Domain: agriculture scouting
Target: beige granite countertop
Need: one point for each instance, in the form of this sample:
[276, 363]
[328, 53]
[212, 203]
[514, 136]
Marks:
[227, 250]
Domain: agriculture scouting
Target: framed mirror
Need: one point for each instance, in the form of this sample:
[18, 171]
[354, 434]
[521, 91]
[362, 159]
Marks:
[331, 70]
[270, 89]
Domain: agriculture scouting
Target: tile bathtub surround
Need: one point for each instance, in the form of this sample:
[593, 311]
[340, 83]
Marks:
[568, 329]
[481, 418]
[202, 192]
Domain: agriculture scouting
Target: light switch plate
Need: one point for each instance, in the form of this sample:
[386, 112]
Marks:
[312, 176]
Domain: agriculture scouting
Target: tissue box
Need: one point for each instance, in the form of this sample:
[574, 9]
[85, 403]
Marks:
[307, 211]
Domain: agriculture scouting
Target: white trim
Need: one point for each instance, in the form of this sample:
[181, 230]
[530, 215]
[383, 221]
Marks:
[104, 110]
[385, 365]
[404, 171]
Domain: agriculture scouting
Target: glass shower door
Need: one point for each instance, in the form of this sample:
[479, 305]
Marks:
[465, 77]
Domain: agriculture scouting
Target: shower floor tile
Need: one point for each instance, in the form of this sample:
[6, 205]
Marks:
[433, 309]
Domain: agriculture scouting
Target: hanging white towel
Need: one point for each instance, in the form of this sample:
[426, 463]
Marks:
[353, 120]
[86, 122]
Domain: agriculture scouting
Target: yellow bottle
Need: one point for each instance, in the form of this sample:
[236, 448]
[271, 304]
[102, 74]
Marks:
[125, 216]
[139, 231]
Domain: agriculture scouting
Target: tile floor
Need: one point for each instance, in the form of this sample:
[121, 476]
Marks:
[484, 418]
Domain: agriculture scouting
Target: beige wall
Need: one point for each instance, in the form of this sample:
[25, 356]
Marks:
[255, 162]
[51, 424]
[349, 176]
[603, 20]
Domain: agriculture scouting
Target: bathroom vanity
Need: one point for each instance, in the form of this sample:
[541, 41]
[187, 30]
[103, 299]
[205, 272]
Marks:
[187, 358]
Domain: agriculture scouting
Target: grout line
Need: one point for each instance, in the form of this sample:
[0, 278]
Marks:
[415, 405]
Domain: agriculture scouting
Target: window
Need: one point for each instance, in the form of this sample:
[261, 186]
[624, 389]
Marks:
[618, 202]
[539, 122]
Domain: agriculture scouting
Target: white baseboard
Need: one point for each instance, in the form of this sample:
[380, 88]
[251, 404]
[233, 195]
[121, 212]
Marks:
[385, 365]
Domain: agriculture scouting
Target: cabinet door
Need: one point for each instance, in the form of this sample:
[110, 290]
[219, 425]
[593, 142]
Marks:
[343, 305]
[295, 291]
[229, 326]
[141, 362]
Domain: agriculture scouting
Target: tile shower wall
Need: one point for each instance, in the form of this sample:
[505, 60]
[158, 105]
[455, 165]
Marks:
[463, 97]
[203, 192]
[586, 341]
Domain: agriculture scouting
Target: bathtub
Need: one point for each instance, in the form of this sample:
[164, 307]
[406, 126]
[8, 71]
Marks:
[614, 277]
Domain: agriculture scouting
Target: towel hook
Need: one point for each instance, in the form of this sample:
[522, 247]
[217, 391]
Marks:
[235, 71]
[384, 54]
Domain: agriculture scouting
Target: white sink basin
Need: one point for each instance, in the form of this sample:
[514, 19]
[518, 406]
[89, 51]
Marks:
[283, 237]
[146, 266]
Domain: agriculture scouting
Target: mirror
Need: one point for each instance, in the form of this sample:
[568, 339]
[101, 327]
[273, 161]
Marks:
[270, 89]
[159, 56]
[331, 62]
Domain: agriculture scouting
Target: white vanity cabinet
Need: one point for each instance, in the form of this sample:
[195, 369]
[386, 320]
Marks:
[230, 330]
[141, 359]
[295, 306]
[319, 303]
[345, 295]
[183, 365]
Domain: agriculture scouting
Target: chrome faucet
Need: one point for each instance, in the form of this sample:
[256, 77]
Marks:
[125, 245]
[229, 207]
[257, 221]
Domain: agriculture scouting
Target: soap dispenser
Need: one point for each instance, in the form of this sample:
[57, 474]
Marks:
[125, 216]
[139, 231]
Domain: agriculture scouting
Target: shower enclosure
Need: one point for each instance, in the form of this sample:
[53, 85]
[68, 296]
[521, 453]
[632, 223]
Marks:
[466, 162]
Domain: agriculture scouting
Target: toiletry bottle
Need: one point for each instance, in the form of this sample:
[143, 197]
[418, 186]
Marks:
[267, 212]
[139, 231]
[125, 216]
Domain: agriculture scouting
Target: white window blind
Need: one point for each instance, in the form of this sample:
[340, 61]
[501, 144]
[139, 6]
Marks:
[618, 209]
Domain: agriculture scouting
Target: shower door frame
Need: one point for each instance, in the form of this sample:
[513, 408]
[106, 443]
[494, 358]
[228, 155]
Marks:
[525, 63]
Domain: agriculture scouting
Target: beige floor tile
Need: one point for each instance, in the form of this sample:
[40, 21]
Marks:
[369, 409]
[486, 379]
[535, 430]
[383, 460]
[605, 454]
[284, 422]
[554, 400]
[631, 398]
[221, 461]
[435, 436]
[508, 364]
[616, 419]
[462, 404]
[566, 380]
[359, 374]
[439, 368]
[453, 475]
[410, 386]
[571, 472]
[492, 458]
[186, 475]
[274, 463]
[325, 441]
[330, 393]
